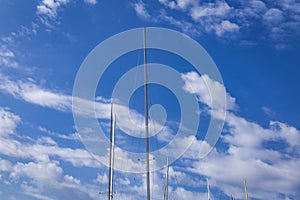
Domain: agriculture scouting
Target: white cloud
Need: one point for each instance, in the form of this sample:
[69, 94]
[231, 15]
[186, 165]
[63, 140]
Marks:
[257, 5]
[7, 57]
[183, 4]
[46, 141]
[101, 178]
[30, 92]
[273, 16]
[73, 136]
[220, 9]
[5, 165]
[268, 112]
[46, 180]
[216, 97]
[128, 120]
[266, 157]
[230, 21]
[185, 26]
[292, 6]
[33, 94]
[6, 53]
[49, 7]
[246, 157]
[47, 10]
[92, 2]
[43, 172]
[44, 149]
[267, 170]
[251, 9]
[241, 136]
[202, 17]
[38, 162]
[226, 27]
[140, 9]
[186, 194]
[9, 122]
[177, 4]
[71, 180]
[289, 133]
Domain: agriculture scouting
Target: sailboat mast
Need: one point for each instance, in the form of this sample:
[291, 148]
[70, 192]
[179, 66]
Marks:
[246, 190]
[208, 189]
[167, 182]
[146, 116]
[111, 153]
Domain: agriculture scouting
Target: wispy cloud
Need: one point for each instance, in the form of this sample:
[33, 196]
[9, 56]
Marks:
[7, 58]
[50, 7]
[9, 122]
[73, 136]
[140, 9]
[47, 10]
[268, 112]
[92, 2]
[30, 92]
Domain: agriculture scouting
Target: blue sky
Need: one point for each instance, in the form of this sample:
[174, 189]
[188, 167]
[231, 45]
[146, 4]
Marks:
[255, 45]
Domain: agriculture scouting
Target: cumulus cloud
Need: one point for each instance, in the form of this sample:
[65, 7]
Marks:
[5, 165]
[273, 16]
[178, 4]
[227, 20]
[50, 7]
[226, 27]
[266, 157]
[254, 153]
[269, 173]
[46, 180]
[220, 9]
[38, 162]
[210, 92]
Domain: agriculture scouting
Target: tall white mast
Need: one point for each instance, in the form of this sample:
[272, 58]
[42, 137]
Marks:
[208, 189]
[246, 190]
[146, 116]
[166, 194]
[111, 153]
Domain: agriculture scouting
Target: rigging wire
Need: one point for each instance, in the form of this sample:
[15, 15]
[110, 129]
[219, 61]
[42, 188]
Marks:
[179, 188]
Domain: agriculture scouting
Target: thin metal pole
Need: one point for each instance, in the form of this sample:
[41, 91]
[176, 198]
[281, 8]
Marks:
[111, 153]
[246, 190]
[146, 116]
[167, 182]
[208, 189]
